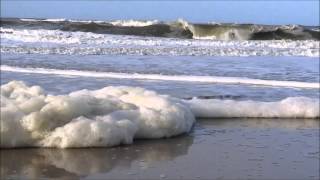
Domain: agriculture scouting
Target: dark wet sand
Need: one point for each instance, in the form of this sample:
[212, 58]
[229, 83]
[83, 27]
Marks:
[216, 149]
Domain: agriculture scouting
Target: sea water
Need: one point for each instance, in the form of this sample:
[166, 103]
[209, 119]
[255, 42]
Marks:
[69, 83]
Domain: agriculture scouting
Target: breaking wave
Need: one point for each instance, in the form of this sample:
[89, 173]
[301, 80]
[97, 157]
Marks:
[117, 115]
[133, 23]
[42, 41]
[176, 29]
[184, 78]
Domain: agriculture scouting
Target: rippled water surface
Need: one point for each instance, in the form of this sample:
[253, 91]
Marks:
[245, 76]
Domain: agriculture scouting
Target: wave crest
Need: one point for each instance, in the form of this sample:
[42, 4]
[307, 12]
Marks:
[176, 29]
[62, 42]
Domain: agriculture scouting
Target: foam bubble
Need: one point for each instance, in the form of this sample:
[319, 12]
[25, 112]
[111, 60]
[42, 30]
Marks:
[291, 107]
[117, 115]
[106, 117]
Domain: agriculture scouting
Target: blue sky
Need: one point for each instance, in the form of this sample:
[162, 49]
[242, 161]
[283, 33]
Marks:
[241, 11]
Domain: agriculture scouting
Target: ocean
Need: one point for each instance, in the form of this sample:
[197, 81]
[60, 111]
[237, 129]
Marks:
[241, 88]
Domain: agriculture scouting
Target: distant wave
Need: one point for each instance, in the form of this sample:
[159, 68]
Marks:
[175, 29]
[133, 23]
[185, 78]
[40, 41]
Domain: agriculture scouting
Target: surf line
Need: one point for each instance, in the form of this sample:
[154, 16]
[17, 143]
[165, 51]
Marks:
[160, 77]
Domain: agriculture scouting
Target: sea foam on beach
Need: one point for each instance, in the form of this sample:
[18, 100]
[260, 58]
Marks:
[105, 117]
[116, 115]
[291, 107]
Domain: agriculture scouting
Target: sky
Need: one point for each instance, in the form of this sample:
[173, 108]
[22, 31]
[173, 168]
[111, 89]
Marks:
[305, 12]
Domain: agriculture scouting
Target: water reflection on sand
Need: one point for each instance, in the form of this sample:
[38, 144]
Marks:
[215, 149]
[76, 163]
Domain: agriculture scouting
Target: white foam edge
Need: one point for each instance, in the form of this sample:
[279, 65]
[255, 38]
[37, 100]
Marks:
[183, 78]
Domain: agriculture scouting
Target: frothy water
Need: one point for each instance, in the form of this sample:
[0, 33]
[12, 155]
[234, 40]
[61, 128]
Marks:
[291, 107]
[106, 117]
[132, 37]
[116, 115]
[201, 79]
[102, 81]
[42, 41]
[174, 29]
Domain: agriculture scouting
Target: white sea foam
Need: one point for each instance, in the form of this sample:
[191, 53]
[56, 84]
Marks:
[226, 35]
[86, 21]
[45, 20]
[185, 78]
[62, 42]
[135, 23]
[62, 20]
[55, 20]
[116, 115]
[105, 117]
[31, 20]
[43, 36]
[292, 107]
[129, 22]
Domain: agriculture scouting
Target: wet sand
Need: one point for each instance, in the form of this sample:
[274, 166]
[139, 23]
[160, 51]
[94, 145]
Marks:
[215, 149]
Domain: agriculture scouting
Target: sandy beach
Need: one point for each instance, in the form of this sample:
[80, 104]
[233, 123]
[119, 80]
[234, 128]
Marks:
[148, 90]
[215, 149]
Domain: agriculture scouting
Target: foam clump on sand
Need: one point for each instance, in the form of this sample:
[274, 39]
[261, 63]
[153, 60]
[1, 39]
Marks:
[291, 107]
[105, 117]
[116, 115]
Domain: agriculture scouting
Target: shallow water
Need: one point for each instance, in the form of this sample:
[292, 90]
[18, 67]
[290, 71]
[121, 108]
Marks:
[62, 62]
[279, 69]
[215, 149]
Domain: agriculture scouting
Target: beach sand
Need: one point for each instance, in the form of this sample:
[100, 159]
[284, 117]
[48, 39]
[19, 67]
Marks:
[215, 149]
